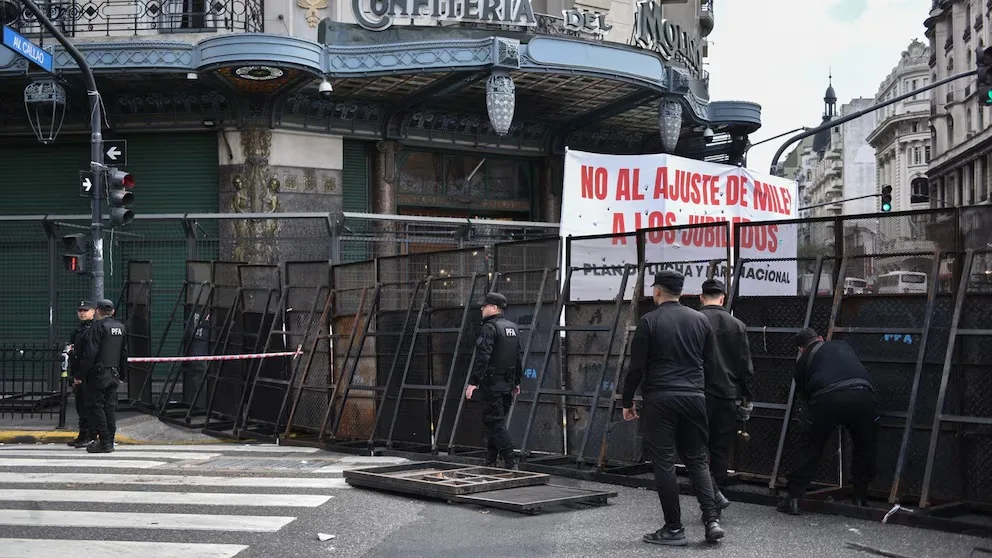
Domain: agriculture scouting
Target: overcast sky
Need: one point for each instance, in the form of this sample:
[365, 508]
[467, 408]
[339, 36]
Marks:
[778, 54]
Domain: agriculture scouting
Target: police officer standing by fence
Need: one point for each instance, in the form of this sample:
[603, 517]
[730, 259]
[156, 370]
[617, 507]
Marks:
[839, 392]
[495, 377]
[728, 373]
[667, 357]
[105, 364]
[85, 312]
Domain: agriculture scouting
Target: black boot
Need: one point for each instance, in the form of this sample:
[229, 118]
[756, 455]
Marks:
[721, 501]
[99, 446]
[491, 456]
[667, 537]
[713, 531]
[80, 442]
[510, 461]
[789, 505]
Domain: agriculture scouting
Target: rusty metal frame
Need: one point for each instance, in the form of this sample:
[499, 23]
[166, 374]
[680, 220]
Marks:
[940, 416]
[163, 408]
[224, 424]
[580, 458]
[307, 338]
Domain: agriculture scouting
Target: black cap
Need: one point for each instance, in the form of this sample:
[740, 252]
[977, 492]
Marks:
[105, 304]
[805, 336]
[85, 305]
[670, 280]
[714, 287]
[495, 299]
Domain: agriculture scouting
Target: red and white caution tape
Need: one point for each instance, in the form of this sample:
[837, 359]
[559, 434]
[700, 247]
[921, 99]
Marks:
[251, 356]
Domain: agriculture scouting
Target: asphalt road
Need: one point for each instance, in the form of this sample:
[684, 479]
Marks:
[367, 523]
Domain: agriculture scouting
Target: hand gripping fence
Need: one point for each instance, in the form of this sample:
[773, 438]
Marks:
[247, 356]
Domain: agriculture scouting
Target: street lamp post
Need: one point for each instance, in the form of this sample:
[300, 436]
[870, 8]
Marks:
[96, 143]
[860, 113]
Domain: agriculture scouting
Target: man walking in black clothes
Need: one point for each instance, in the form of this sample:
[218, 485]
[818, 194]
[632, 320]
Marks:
[495, 377]
[728, 374]
[667, 358]
[85, 312]
[838, 392]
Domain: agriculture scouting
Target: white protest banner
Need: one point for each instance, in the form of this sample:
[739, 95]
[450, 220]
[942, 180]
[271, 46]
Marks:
[617, 194]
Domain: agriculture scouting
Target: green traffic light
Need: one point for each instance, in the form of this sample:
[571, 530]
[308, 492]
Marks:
[988, 98]
[886, 207]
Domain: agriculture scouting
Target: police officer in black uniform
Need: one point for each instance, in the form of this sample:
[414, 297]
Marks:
[105, 362]
[728, 376]
[839, 392]
[668, 354]
[495, 377]
[85, 312]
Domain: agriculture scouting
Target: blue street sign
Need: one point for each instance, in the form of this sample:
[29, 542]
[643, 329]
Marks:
[27, 49]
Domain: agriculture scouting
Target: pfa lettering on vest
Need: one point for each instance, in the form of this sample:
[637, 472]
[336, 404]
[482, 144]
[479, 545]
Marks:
[510, 332]
[116, 331]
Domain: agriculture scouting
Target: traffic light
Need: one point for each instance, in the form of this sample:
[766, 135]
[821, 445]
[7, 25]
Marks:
[886, 198]
[984, 59]
[120, 197]
[74, 256]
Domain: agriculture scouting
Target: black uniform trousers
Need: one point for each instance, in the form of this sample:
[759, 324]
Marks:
[722, 416]
[102, 399]
[675, 425]
[854, 409]
[496, 405]
[83, 412]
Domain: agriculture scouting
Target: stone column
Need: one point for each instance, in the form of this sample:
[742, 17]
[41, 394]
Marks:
[384, 196]
[249, 188]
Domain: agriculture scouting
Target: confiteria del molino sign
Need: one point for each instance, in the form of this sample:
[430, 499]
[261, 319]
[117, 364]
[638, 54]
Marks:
[654, 32]
[378, 15]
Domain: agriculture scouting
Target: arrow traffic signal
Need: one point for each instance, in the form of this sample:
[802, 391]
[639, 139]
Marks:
[984, 60]
[120, 197]
[75, 250]
[886, 198]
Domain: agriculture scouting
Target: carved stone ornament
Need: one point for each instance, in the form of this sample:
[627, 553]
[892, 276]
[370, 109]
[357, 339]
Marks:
[670, 124]
[311, 6]
[255, 192]
[500, 101]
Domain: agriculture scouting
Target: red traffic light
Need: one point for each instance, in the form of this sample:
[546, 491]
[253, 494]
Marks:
[121, 179]
[73, 263]
[985, 57]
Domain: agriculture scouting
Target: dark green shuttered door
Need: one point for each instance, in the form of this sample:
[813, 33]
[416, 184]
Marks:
[175, 173]
[355, 181]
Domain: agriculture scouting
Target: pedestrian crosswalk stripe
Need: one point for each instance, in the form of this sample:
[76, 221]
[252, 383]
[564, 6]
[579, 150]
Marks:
[164, 498]
[261, 448]
[83, 454]
[33, 548]
[132, 520]
[81, 462]
[172, 480]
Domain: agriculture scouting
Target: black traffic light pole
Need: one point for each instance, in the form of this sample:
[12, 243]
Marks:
[96, 144]
[860, 113]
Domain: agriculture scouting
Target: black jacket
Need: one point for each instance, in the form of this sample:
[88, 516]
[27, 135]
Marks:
[75, 338]
[498, 362]
[668, 353]
[834, 367]
[105, 349]
[729, 371]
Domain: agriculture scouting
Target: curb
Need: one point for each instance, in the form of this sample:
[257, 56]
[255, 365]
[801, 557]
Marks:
[53, 436]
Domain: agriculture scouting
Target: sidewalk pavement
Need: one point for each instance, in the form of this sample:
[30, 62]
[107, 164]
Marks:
[133, 428]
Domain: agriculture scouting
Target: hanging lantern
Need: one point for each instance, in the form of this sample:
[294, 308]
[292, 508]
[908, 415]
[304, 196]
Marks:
[670, 124]
[44, 102]
[500, 100]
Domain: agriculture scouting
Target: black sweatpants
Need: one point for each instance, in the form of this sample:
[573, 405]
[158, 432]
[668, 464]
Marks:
[722, 415]
[496, 406]
[102, 399]
[82, 411]
[854, 409]
[675, 425]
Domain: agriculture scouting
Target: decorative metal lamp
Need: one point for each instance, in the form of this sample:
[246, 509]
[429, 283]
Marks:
[670, 124]
[44, 102]
[500, 100]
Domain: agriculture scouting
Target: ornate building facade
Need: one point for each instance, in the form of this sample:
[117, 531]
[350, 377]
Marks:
[451, 109]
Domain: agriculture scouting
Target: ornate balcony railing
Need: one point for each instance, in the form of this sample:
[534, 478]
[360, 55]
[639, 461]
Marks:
[108, 18]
